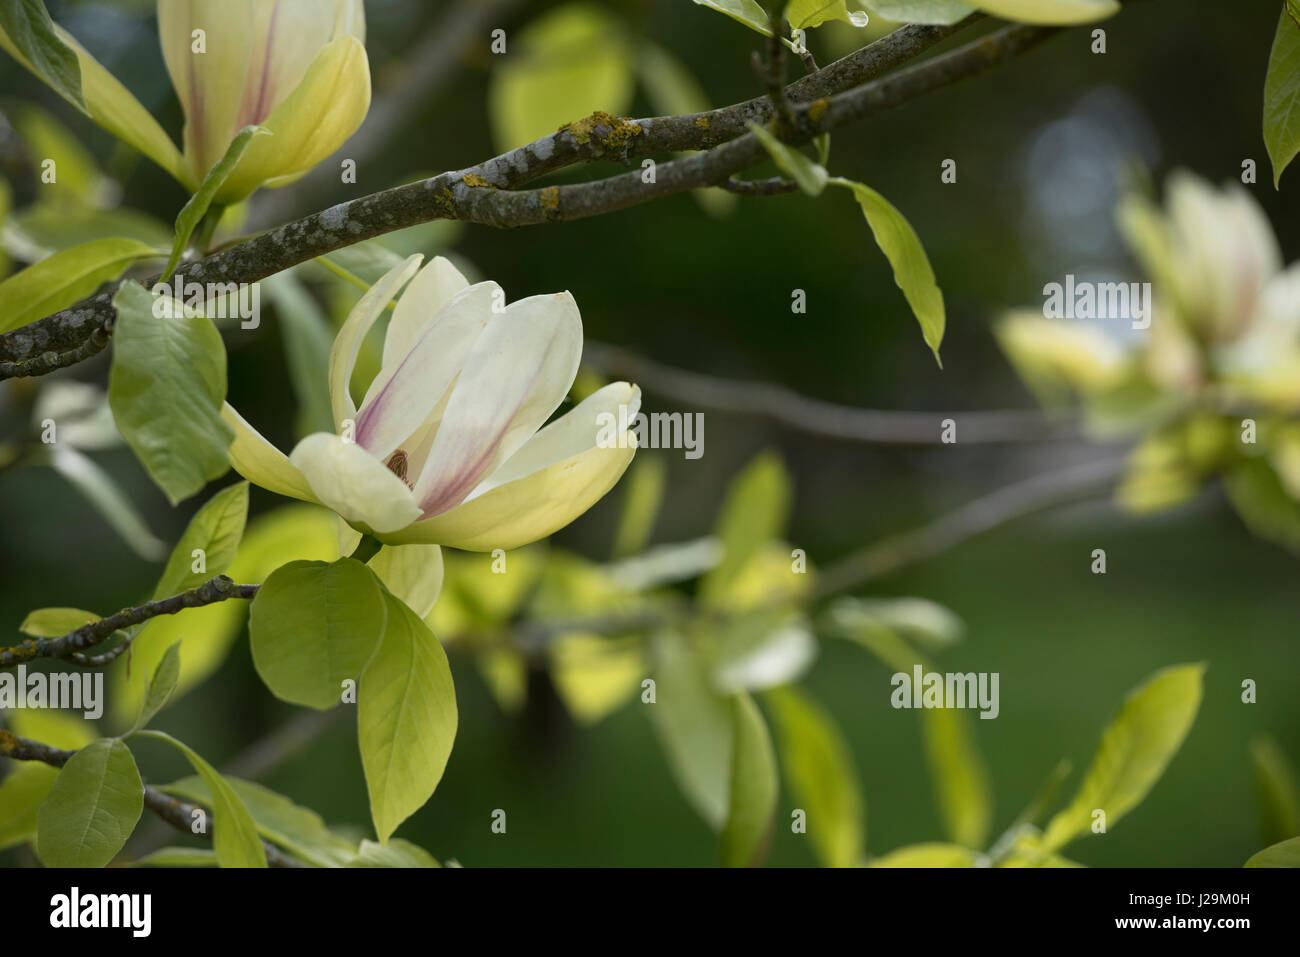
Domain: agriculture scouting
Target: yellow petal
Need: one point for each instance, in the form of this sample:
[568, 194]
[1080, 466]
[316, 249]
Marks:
[257, 460]
[528, 508]
[411, 572]
[312, 122]
[348, 479]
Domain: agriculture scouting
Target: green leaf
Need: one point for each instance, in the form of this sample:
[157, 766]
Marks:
[568, 63]
[748, 12]
[198, 205]
[912, 271]
[234, 835]
[1261, 500]
[161, 686]
[307, 338]
[65, 278]
[24, 789]
[594, 676]
[753, 787]
[314, 626]
[694, 725]
[1134, 752]
[92, 808]
[179, 857]
[77, 182]
[803, 14]
[961, 781]
[761, 649]
[1285, 854]
[102, 491]
[27, 30]
[811, 177]
[166, 388]
[643, 495]
[396, 853]
[55, 622]
[754, 513]
[297, 829]
[930, 854]
[1277, 790]
[930, 12]
[406, 719]
[1050, 12]
[824, 782]
[215, 531]
[42, 230]
[1282, 97]
[1293, 10]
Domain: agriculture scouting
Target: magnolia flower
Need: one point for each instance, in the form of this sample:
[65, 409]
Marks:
[445, 447]
[297, 68]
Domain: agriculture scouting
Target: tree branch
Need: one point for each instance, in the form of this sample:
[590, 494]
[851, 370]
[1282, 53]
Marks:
[485, 193]
[816, 417]
[179, 814]
[71, 645]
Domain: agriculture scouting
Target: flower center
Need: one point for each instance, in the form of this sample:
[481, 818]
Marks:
[397, 463]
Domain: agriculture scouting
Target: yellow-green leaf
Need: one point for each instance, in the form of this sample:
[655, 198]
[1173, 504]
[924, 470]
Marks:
[931, 854]
[813, 13]
[58, 281]
[753, 787]
[811, 177]
[92, 808]
[28, 33]
[1051, 12]
[1282, 97]
[54, 622]
[1284, 854]
[960, 778]
[1277, 790]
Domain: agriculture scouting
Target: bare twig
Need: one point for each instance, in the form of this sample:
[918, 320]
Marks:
[816, 417]
[179, 814]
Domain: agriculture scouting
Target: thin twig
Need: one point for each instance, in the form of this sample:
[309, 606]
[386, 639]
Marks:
[816, 417]
[179, 814]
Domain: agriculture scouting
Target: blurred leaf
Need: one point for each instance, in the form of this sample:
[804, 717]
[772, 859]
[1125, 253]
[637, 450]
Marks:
[313, 626]
[179, 857]
[960, 778]
[918, 620]
[397, 853]
[568, 63]
[929, 12]
[760, 650]
[912, 271]
[297, 829]
[103, 492]
[215, 530]
[166, 387]
[198, 205]
[754, 512]
[77, 182]
[819, 768]
[161, 686]
[643, 494]
[1134, 752]
[1285, 854]
[81, 412]
[1058, 359]
[595, 676]
[54, 622]
[28, 34]
[803, 14]
[406, 718]
[505, 672]
[291, 532]
[65, 278]
[40, 231]
[753, 787]
[92, 808]
[694, 726]
[24, 789]
[480, 591]
[1058, 12]
[932, 854]
[1282, 97]
[307, 340]
[1262, 502]
[666, 564]
[234, 836]
[1277, 791]
[767, 578]
[811, 177]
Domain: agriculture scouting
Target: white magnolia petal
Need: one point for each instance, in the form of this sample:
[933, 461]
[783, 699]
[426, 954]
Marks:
[598, 419]
[402, 396]
[257, 460]
[412, 573]
[433, 287]
[346, 478]
[347, 344]
[517, 374]
[527, 509]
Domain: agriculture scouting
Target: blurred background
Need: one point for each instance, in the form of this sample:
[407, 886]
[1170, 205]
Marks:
[1040, 144]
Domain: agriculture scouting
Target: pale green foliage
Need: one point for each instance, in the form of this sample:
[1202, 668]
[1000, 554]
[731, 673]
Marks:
[65, 278]
[753, 787]
[1283, 854]
[1277, 790]
[92, 808]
